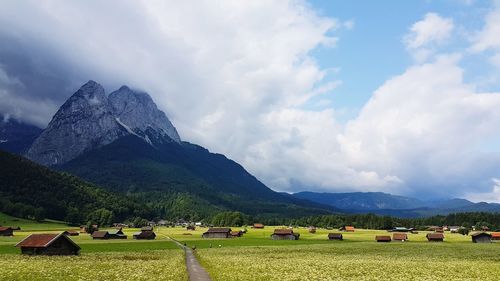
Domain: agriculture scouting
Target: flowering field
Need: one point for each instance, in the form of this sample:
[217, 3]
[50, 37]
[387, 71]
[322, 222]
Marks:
[355, 261]
[151, 265]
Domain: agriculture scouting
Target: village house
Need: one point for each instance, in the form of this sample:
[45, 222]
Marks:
[402, 237]
[144, 235]
[48, 244]
[258, 226]
[116, 234]
[6, 231]
[100, 235]
[347, 228]
[383, 238]
[217, 232]
[284, 234]
[435, 237]
[335, 236]
[481, 237]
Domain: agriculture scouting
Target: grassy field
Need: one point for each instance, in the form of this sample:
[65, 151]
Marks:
[256, 257]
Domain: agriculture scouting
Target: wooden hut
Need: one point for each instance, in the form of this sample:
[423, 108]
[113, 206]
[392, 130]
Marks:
[190, 227]
[383, 238]
[347, 228]
[495, 236]
[217, 232]
[147, 228]
[335, 236]
[284, 234]
[311, 229]
[481, 237]
[258, 226]
[238, 233]
[101, 235]
[71, 233]
[116, 234]
[144, 235]
[402, 237]
[6, 231]
[435, 237]
[48, 244]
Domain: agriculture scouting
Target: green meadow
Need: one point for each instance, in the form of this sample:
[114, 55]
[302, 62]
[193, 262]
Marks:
[254, 257]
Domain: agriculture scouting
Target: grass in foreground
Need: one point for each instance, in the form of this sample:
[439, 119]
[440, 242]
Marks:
[355, 261]
[153, 265]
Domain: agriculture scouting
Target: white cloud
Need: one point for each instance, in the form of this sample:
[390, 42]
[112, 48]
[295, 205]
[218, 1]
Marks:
[488, 39]
[492, 197]
[426, 34]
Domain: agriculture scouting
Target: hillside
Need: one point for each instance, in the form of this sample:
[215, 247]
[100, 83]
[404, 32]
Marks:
[29, 190]
[182, 172]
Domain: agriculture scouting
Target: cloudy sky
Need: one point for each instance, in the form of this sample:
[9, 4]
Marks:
[394, 96]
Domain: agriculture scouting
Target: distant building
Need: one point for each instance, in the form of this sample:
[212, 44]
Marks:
[71, 233]
[495, 236]
[347, 228]
[100, 235]
[258, 226]
[401, 229]
[402, 237]
[383, 238]
[284, 234]
[190, 227]
[217, 232]
[147, 228]
[335, 236]
[481, 237]
[311, 229]
[6, 231]
[48, 244]
[144, 235]
[435, 237]
[454, 228]
[238, 233]
[117, 234]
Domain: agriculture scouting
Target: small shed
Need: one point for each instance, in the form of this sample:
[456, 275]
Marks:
[402, 237]
[48, 244]
[435, 237]
[347, 228]
[400, 229]
[481, 237]
[116, 234]
[258, 226]
[144, 235]
[71, 233]
[147, 228]
[6, 231]
[383, 238]
[217, 232]
[238, 233]
[495, 236]
[190, 227]
[311, 229]
[284, 234]
[454, 228]
[335, 236]
[101, 235]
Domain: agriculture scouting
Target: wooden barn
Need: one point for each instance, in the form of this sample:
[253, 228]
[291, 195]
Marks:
[284, 234]
[335, 236]
[401, 237]
[481, 237]
[238, 233]
[101, 235]
[116, 234]
[71, 233]
[144, 235]
[495, 236]
[6, 231]
[190, 227]
[217, 232]
[258, 226]
[435, 237]
[383, 238]
[48, 244]
[347, 228]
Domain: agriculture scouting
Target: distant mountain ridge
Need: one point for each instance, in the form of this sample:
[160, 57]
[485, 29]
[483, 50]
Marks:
[388, 204]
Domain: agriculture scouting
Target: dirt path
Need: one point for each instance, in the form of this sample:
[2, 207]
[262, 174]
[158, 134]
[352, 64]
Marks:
[195, 271]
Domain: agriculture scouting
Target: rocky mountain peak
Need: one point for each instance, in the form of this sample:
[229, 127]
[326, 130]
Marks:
[89, 119]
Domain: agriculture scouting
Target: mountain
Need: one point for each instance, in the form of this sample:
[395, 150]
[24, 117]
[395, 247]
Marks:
[30, 190]
[16, 136]
[362, 200]
[124, 143]
[400, 206]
